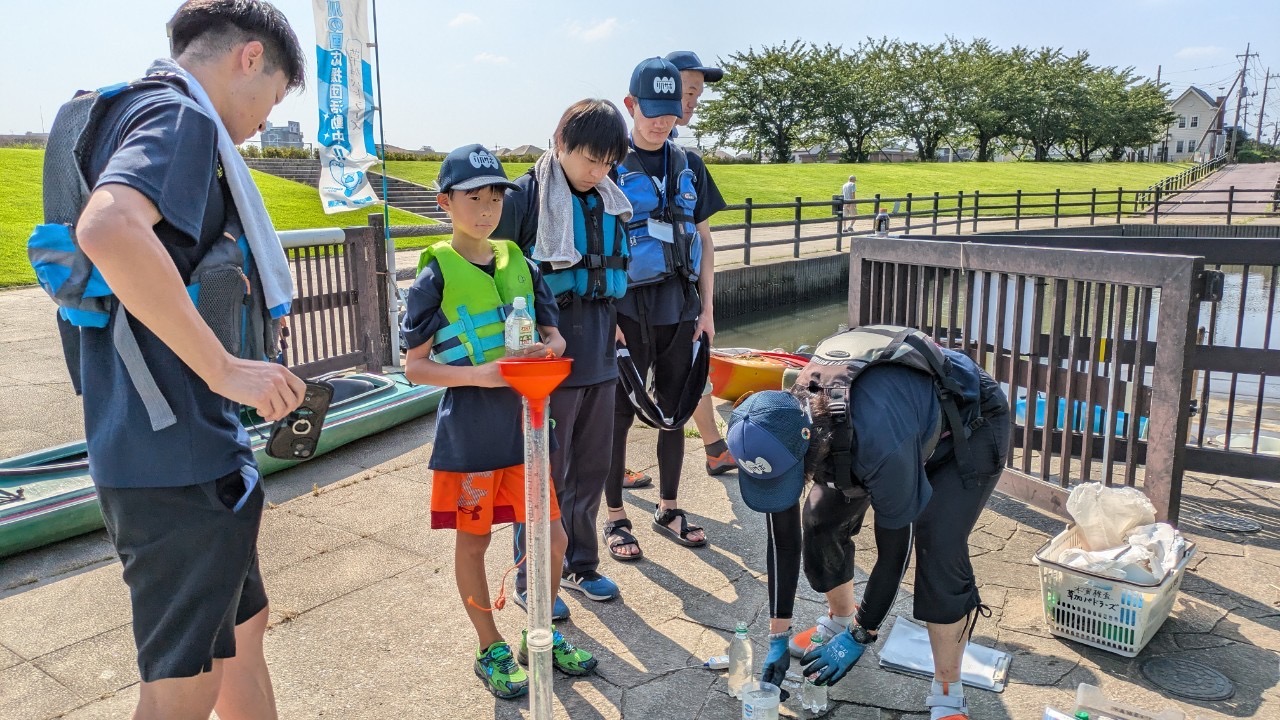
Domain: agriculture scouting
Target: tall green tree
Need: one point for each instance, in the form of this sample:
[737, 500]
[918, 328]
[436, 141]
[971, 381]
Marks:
[767, 100]
[1054, 83]
[854, 98]
[925, 84]
[1144, 117]
[990, 97]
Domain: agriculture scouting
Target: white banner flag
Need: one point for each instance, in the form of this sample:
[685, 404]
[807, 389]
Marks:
[345, 90]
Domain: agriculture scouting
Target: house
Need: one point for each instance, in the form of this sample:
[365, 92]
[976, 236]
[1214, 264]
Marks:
[1196, 132]
[521, 150]
[815, 154]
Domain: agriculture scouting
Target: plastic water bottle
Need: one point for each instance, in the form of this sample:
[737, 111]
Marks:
[740, 666]
[882, 223]
[814, 697]
[519, 332]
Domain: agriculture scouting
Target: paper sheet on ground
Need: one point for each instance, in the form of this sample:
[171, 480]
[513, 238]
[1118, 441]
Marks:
[907, 650]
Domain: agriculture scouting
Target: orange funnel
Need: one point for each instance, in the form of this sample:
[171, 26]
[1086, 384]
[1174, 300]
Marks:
[534, 378]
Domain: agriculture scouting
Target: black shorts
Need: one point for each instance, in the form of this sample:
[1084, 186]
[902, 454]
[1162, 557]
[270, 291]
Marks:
[191, 565]
[945, 588]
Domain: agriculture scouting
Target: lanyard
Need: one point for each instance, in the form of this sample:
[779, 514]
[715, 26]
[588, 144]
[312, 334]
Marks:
[666, 172]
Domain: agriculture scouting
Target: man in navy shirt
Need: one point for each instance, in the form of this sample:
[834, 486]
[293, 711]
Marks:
[182, 505]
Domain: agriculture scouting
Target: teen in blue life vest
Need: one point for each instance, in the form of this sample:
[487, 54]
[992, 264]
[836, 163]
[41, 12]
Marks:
[569, 216]
[668, 305]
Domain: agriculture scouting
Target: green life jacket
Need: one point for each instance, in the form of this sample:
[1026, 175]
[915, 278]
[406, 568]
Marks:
[477, 304]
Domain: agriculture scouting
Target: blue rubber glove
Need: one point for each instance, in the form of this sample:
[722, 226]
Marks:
[776, 664]
[833, 659]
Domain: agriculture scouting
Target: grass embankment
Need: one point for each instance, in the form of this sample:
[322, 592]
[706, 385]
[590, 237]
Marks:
[818, 182]
[292, 206]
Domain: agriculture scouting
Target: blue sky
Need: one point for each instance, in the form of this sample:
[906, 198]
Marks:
[501, 72]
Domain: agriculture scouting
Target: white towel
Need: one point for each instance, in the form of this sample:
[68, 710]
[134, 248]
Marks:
[554, 244]
[264, 244]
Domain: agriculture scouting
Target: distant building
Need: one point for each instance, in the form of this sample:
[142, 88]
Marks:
[40, 139]
[520, 150]
[288, 135]
[1196, 133]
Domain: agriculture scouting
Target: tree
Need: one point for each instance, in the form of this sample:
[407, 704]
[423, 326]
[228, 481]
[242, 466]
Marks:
[1144, 117]
[767, 101]
[990, 97]
[925, 84]
[855, 99]
[1053, 83]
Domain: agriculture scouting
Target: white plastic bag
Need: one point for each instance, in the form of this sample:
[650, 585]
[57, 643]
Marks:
[1105, 515]
[1163, 544]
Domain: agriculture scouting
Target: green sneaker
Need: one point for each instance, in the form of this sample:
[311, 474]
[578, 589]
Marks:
[565, 657]
[499, 672]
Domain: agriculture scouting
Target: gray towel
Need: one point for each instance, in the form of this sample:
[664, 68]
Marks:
[555, 212]
[268, 255]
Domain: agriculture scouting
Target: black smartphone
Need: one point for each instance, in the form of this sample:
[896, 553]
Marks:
[296, 436]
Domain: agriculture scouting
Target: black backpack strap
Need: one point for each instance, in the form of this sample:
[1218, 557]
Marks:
[948, 391]
[841, 441]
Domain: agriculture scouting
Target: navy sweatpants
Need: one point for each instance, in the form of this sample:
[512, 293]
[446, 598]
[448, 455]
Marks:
[583, 418]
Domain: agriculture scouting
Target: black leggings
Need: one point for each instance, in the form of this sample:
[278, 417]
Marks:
[668, 350]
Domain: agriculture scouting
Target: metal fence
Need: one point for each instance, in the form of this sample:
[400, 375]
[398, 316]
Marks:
[1235, 429]
[976, 212]
[1092, 348]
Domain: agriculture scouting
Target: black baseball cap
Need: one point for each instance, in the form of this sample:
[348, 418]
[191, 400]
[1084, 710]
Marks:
[470, 167]
[688, 60]
[655, 83]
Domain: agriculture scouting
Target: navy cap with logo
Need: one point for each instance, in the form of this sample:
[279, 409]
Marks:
[655, 83]
[470, 167]
[688, 60]
[769, 436]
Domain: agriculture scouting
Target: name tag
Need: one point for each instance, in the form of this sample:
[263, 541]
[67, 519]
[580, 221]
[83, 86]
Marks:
[661, 230]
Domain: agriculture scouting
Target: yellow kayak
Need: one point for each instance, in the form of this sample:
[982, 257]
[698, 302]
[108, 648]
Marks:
[738, 371]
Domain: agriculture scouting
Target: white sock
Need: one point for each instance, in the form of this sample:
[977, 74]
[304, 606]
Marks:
[844, 620]
[955, 690]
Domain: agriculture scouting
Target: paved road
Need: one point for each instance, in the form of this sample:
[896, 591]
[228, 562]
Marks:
[1255, 195]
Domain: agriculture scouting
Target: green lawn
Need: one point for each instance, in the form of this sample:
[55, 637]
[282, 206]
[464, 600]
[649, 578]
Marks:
[818, 182]
[295, 206]
[292, 206]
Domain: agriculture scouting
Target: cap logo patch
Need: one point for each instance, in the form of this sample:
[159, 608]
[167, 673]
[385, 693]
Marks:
[759, 466]
[483, 159]
[664, 85]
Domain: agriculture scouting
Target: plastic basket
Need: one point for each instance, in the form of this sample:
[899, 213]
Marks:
[1114, 615]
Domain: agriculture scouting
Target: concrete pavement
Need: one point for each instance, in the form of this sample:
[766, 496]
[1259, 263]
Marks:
[367, 623]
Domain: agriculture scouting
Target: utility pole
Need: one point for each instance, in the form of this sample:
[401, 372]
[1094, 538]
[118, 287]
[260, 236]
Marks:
[1151, 148]
[1262, 107]
[1235, 124]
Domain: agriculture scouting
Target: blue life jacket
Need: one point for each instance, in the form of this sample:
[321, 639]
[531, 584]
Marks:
[602, 271]
[653, 259]
[225, 286]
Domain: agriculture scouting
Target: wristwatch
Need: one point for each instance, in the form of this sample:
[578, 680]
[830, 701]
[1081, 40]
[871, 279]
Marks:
[860, 634]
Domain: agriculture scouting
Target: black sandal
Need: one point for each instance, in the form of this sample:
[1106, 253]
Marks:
[662, 517]
[621, 529]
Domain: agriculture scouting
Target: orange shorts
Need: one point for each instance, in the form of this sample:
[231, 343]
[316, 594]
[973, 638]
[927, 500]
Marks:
[475, 502]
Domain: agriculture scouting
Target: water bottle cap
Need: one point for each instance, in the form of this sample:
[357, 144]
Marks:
[519, 303]
[740, 628]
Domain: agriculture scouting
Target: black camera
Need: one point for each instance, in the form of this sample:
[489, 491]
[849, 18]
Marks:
[295, 436]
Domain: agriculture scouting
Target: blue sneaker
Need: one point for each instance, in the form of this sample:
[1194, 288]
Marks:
[559, 611]
[592, 584]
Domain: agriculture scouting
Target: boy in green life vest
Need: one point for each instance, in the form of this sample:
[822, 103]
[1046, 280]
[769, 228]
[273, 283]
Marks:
[454, 325]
